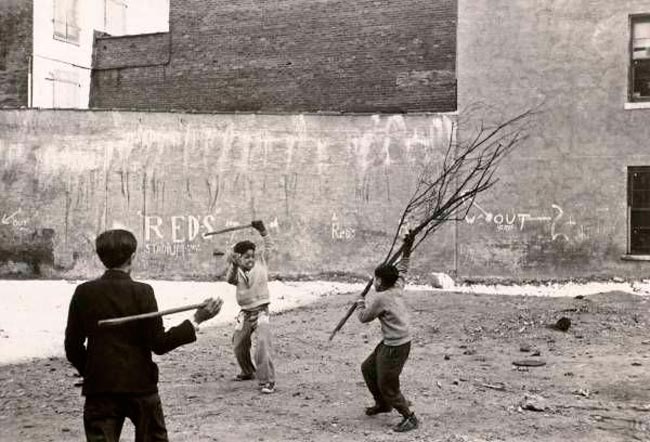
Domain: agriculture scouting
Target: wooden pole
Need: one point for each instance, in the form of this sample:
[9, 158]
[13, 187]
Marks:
[125, 319]
[226, 230]
[351, 310]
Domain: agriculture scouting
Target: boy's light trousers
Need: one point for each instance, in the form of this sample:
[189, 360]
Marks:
[249, 322]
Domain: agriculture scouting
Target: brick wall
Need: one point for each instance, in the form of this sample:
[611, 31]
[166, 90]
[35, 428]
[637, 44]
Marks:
[15, 50]
[131, 51]
[295, 56]
[330, 188]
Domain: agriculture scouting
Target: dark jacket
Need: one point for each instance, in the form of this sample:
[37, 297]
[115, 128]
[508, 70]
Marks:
[117, 359]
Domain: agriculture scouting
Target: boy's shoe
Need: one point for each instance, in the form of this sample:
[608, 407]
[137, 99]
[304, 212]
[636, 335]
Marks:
[408, 423]
[376, 409]
[243, 377]
[268, 388]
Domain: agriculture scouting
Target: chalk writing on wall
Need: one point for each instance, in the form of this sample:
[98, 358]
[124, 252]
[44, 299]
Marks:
[340, 231]
[274, 225]
[14, 219]
[171, 249]
[178, 228]
[560, 226]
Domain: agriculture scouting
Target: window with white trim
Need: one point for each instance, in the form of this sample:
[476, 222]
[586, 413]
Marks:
[115, 16]
[640, 58]
[66, 21]
[65, 89]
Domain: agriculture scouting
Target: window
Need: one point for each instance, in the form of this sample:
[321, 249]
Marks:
[638, 201]
[66, 20]
[65, 89]
[115, 17]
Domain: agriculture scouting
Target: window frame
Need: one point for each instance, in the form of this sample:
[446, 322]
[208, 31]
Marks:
[56, 35]
[59, 77]
[634, 18]
[630, 208]
[124, 5]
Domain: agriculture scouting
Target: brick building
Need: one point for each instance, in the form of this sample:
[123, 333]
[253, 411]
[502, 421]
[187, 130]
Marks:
[15, 51]
[46, 45]
[287, 56]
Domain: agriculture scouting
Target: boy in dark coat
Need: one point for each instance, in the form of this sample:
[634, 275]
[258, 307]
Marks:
[120, 378]
[382, 369]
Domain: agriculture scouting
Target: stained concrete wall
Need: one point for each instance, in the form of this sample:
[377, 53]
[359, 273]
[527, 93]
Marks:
[330, 188]
[560, 208]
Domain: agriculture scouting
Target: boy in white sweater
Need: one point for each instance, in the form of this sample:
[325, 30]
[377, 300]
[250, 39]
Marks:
[382, 369]
[248, 271]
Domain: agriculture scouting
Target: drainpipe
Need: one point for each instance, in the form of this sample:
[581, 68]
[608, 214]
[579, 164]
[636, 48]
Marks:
[30, 82]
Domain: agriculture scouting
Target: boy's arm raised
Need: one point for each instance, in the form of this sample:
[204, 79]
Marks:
[267, 245]
[231, 273]
[405, 261]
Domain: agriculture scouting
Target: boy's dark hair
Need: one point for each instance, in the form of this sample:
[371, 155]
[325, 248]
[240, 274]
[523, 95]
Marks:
[388, 274]
[243, 246]
[115, 247]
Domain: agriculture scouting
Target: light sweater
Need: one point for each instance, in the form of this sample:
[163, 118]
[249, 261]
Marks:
[252, 286]
[389, 307]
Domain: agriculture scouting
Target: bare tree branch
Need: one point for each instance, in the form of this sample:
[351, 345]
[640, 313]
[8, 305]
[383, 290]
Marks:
[466, 170]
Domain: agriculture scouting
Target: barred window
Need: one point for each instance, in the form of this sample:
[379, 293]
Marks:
[638, 202]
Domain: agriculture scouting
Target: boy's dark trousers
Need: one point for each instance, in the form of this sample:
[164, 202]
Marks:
[381, 371]
[104, 417]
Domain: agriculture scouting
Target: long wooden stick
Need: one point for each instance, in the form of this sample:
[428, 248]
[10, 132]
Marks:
[125, 319]
[226, 230]
[351, 310]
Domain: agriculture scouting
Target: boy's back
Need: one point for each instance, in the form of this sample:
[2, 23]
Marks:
[118, 359]
[120, 379]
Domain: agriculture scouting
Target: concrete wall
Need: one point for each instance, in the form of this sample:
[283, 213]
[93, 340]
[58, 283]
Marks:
[15, 51]
[330, 188]
[561, 206]
[293, 56]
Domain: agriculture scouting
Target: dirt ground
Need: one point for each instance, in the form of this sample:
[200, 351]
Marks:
[595, 385]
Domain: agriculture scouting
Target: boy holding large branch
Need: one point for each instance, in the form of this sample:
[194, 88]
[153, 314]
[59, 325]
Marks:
[120, 378]
[382, 369]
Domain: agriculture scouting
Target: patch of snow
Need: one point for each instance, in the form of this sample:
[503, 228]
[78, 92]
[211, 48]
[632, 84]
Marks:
[556, 290]
[33, 313]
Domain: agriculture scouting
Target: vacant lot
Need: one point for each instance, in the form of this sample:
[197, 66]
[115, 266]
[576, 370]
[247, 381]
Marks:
[594, 386]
